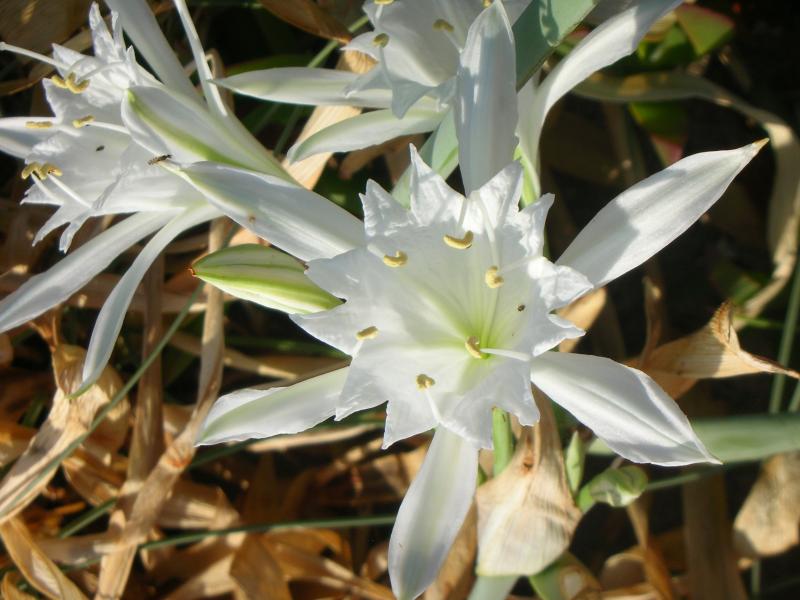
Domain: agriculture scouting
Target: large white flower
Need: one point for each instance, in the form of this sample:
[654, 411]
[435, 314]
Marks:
[448, 306]
[99, 155]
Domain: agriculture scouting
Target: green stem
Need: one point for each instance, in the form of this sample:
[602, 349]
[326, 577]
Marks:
[86, 519]
[503, 440]
[787, 339]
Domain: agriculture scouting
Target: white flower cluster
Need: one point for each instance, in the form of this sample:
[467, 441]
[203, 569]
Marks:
[447, 305]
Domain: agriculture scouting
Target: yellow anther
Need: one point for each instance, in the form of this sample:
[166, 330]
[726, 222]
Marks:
[487, 3]
[473, 346]
[381, 40]
[492, 279]
[30, 169]
[367, 334]
[424, 382]
[382, 2]
[398, 260]
[51, 169]
[75, 86]
[59, 82]
[442, 25]
[38, 124]
[82, 122]
[459, 243]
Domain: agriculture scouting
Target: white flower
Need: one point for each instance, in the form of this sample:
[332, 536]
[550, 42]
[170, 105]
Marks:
[417, 46]
[101, 154]
[448, 308]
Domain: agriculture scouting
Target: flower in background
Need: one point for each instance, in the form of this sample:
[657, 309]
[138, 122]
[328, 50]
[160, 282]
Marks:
[449, 306]
[100, 153]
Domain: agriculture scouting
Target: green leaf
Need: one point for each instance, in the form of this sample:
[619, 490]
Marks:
[707, 30]
[615, 487]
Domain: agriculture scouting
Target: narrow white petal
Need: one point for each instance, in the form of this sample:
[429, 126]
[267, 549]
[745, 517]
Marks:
[254, 413]
[302, 85]
[617, 37]
[139, 23]
[366, 130]
[18, 140]
[109, 321]
[431, 513]
[66, 277]
[300, 222]
[486, 99]
[645, 218]
[623, 406]
[213, 97]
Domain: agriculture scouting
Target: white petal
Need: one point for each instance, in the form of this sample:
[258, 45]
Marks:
[366, 130]
[139, 23]
[302, 85]
[617, 37]
[210, 91]
[383, 215]
[623, 406]
[486, 98]
[18, 140]
[645, 218]
[109, 320]
[191, 133]
[299, 221]
[431, 198]
[432, 513]
[557, 285]
[254, 413]
[72, 272]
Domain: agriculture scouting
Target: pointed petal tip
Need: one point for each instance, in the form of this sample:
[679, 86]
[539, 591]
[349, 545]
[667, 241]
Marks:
[758, 145]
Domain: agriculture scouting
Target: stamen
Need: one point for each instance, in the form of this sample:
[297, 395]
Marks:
[51, 169]
[443, 25]
[82, 122]
[487, 3]
[520, 356]
[38, 124]
[473, 346]
[29, 169]
[382, 2]
[75, 86]
[59, 82]
[109, 126]
[381, 40]
[398, 260]
[68, 191]
[367, 334]
[459, 243]
[424, 382]
[492, 279]
[34, 55]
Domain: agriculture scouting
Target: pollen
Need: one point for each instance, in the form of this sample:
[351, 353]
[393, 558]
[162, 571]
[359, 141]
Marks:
[367, 334]
[424, 382]
[381, 40]
[75, 86]
[59, 82]
[30, 169]
[382, 2]
[442, 25]
[50, 169]
[492, 279]
[38, 124]
[487, 3]
[459, 243]
[82, 122]
[398, 260]
[473, 346]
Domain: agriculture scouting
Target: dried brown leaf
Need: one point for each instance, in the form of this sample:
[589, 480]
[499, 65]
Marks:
[583, 313]
[38, 569]
[212, 581]
[308, 16]
[6, 350]
[767, 523]
[67, 420]
[9, 589]
[530, 499]
[655, 570]
[257, 573]
[713, 574]
[14, 438]
[711, 352]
